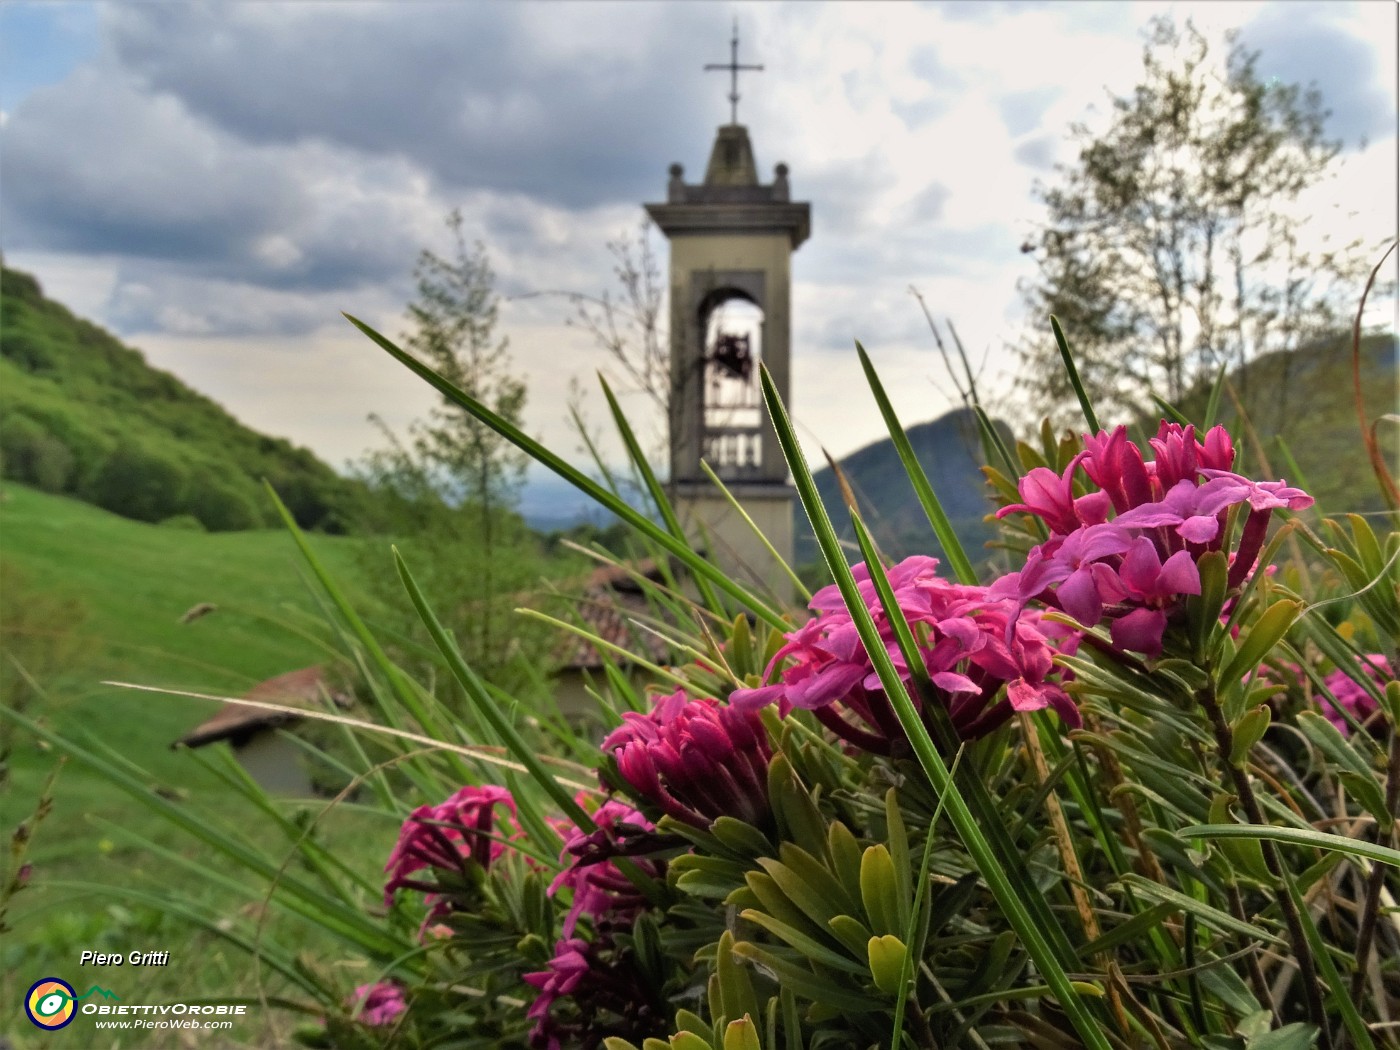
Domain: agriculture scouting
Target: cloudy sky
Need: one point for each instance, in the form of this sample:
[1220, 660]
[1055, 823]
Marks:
[216, 182]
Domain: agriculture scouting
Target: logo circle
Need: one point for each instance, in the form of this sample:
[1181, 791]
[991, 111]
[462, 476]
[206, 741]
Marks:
[50, 1003]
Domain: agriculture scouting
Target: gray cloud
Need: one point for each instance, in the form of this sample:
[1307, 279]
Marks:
[1021, 111]
[539, 99]
[1037, 152]
[1300, 43]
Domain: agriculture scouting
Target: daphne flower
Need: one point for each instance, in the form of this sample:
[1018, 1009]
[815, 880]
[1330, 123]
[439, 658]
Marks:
[1356, 700]
[444, 837]
[377, 1004]
[1050, 497]
[1180, 457]
[1115, 465]
[695, 759]
[970, 644]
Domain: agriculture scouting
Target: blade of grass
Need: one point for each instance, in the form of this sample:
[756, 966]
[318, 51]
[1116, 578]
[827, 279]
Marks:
[911, 935]
[476, 692]
[928, 499]
[1072, 370]
[398, 682]
[798, 586]
[585, 484]
[1296, 837]
[990, 866]
[658, 494]
[349, 923]
[1213, 404]
[986, 816]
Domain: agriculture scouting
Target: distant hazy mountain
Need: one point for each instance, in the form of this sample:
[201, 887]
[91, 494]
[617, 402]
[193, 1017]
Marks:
[950, 452]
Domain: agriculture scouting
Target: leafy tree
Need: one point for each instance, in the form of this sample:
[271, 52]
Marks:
[1173, 242]
[449, 492]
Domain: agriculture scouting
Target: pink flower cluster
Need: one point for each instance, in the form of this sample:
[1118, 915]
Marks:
[443, 838]
[1360, 704]
[972, 644]
[592, 972]
[377, 1004]
[695, 760]
[1135, 569]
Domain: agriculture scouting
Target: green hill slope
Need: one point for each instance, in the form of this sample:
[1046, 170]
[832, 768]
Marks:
[1303, 399]
[950, 452]
[87, 596]
[1306, 400]
[83, 415]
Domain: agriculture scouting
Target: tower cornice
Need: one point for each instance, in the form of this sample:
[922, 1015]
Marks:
[791, 217]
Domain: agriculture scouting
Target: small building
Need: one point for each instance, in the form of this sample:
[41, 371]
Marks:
[611, 603]
[277, 764]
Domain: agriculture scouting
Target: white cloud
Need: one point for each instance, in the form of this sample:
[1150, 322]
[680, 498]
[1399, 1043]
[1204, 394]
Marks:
[218, 182]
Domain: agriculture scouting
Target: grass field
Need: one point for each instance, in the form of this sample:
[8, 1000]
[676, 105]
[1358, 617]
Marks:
[121, 588]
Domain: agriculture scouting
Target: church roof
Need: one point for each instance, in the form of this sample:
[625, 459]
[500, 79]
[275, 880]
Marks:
[236, 722]
[731, 198]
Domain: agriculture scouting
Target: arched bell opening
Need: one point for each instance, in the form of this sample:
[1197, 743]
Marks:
[732, 421]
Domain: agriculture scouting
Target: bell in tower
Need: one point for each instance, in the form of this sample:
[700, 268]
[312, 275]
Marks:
[731, 239]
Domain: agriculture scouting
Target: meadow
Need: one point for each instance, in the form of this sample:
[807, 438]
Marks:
[113, 592]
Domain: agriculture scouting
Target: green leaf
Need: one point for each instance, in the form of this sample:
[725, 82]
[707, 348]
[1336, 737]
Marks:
[742, 1035]
[886, 956]
[1297, 837]
[1360, 780]
[694, 562]
[845, 855]
[1210, 916]
[1247, 731]
[808, 946]
[1264, 634]
[735, 988]
[1296, 1036]
[476, 692]
[878, 891]
[994, 868]
[807, 984]
[928, 499]
[1073, 372]
[744, 839]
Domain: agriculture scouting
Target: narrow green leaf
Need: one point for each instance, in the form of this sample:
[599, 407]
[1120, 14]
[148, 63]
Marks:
[923, 488]
[878, 892]
[808, 946]
[658, 494]
[1170, 411]
[1263, 635]
[1072, 371]
[698, 565]
[1213, 402]
[988, 863]
[476, 692]
[1248, 730]
[1210, 916]
[1297, 837]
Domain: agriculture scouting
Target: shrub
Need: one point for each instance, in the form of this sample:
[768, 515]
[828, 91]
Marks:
[138, 482]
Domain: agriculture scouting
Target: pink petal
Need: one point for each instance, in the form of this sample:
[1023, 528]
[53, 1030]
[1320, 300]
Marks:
[1141, 631]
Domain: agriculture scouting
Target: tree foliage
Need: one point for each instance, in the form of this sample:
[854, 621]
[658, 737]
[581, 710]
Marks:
[84, 416]
[448, 492]
[1174, 242]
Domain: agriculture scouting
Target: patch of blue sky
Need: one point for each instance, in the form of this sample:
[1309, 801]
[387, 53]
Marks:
[41, 43]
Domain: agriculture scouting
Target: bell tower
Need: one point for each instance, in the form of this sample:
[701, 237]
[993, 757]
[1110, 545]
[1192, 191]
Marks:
[731, 239]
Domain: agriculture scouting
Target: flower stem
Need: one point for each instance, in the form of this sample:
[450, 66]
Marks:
[1367, 928]
[1224, 740]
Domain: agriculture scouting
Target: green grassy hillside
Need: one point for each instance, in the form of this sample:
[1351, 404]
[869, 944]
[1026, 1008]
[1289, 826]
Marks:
[83, 415]
[1305, 400]
[90, 596]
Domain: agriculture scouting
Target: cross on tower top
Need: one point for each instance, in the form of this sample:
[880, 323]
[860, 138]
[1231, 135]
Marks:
[733, 67]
